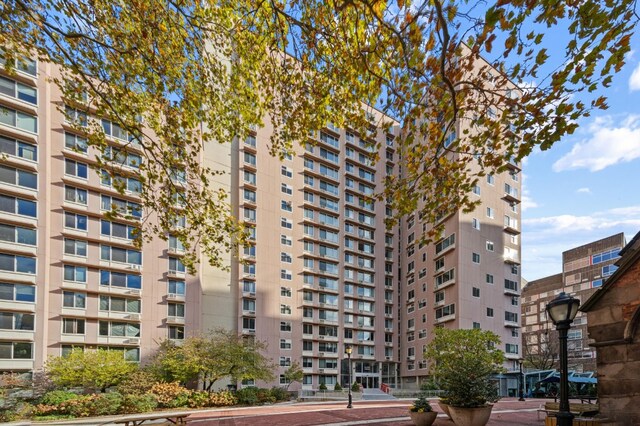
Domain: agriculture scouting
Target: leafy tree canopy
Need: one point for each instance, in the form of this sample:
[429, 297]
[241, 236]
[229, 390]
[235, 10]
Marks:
[294, 373]
[90, 369]
[198, 72]
[219, 354]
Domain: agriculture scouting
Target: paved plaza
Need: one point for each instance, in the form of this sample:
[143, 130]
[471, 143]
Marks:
[507, 412]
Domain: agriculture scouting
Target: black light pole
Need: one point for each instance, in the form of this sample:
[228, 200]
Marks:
[562, 310]
[347, 350]
[521, 381]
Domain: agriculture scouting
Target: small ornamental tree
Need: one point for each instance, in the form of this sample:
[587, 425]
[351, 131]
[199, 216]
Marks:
[294, 373]
[211, 357]
[463, 362]
[89, 369]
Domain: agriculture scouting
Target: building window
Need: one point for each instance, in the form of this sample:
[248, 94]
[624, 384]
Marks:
[285, 291]
[285, 309]
[15, 263]
[75, 221]
[176, 332]
[475, 223]
[286, 223]
[286, 206]
[16, 350]
[73, 326]
[490, 246]
[490, 312]
[491, 179]
[476, 325]
[75, 247]
[285, 344]
[475, 258]
[75, 195]
[490, 212]
[17, 292]
[71, 299]
[476, 292]
[285, 326]
[285, 274]
[489, 278]
[175, 310]
[18, 235]
[18, 206]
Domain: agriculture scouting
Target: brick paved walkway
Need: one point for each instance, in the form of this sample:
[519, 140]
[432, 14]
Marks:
[507, 412]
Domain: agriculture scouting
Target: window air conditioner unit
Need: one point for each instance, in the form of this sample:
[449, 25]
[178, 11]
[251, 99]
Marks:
[133, 341]
[172, 296]
[134, 317]
[136, 292]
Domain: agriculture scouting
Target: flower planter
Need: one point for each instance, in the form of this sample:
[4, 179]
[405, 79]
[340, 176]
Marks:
[478, 416]
[445, 408]
[425, 418]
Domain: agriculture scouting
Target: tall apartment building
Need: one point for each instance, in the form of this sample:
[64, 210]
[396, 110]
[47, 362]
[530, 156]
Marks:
[319, 276]
[584, 269]
[319, 273]
[469, 278]
[322, 272]
[69, 275]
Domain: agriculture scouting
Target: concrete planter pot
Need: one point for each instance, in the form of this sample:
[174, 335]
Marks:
[478, 416]
[423, 419]
[445, 408]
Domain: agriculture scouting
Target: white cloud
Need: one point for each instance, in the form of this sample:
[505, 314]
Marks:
[583, 191]
[634, 80]
[545, 238]
[610, 143]
[526, 201]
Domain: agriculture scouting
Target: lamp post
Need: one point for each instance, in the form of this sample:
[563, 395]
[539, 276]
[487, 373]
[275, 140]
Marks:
[521, 381]
[347, 350]
[562, 310]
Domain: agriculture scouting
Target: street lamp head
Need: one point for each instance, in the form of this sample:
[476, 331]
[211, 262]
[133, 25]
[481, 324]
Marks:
[563, 309]
[348, 349]
[520, 361]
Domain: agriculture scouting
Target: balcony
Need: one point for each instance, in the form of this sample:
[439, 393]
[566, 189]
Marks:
[511, 259]
[445, 318]
[511, 195]
[511, 324]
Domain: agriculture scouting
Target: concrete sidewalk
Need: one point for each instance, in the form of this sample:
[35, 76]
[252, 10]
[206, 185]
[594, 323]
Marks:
[507, 412]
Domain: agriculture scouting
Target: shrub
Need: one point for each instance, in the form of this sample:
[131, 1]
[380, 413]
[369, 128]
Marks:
[280, 394]
[247, 396]
[170, 395]
[8, 415]
[337, 387]
[222, 399]
[323, 387]
[355, 387]
[106, 404]
[199, 399]
[132, 404]
[137, 383]
[57, 397]
[265, 397]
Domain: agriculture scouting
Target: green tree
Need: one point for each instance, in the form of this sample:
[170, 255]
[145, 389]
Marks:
[294, 373]
[219, 354]
[89, 369]
[462, 362]
[201, 72]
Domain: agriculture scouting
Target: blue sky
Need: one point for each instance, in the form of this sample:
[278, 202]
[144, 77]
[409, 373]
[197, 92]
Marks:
[587, 186]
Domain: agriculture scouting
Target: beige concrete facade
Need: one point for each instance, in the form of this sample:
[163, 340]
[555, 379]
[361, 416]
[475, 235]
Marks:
[317, 278]
[584, 270]
[323, 271]
[78, 271]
